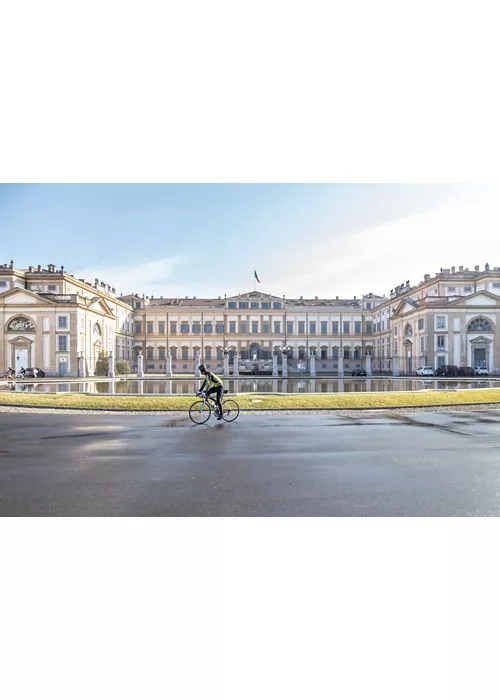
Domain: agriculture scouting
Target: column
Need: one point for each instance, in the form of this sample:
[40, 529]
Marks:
[341, 364]
[140, 387]
[197, 365]
[111, 365]
[284, 366]
[226, 365]
[81, 364]
[168, 365]
[235, 363]
[312, 365]
[395, 366]
[140, 366]
[368, 365]
[275, 364]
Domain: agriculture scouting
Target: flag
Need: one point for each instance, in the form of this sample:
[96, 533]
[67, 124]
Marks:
[256, 276]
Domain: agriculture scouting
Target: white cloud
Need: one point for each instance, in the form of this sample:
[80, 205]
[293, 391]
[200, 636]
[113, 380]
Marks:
[465, 231]
[145, 277]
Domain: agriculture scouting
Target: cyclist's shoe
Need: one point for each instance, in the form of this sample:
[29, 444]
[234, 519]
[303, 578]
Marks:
[219, 417]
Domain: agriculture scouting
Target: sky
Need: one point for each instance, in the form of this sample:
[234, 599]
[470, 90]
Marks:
[180, 240]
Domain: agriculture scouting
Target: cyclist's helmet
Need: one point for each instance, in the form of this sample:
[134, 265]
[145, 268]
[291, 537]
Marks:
[201, 368]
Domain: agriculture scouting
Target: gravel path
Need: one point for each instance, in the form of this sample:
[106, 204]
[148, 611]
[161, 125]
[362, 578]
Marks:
[412, 409]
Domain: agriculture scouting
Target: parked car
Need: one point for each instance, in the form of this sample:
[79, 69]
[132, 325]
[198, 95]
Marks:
[466, 371]
[426, 371]
[481, 370]
[359, 372]
[34, 372]
[447, 371]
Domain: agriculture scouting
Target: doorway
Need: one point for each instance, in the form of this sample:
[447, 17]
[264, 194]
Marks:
[21, 359]
[479, 357]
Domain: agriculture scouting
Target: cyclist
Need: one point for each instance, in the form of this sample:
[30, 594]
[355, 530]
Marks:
[215, 387]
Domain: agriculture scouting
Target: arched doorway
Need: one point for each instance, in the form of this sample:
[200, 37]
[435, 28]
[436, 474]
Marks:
[408, 347]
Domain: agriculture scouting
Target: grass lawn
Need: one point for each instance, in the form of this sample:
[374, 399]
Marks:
[257, 402]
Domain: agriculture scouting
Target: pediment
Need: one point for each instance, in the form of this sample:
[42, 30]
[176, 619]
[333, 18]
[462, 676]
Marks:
[22, 297]
[98, 304]
[405, 307]
[481, 339]
[478, 299]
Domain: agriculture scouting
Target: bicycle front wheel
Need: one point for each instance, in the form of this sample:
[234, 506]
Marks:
[230, 410]
[200, 412]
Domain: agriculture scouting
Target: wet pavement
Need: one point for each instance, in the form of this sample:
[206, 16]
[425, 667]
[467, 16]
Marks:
[408, 464]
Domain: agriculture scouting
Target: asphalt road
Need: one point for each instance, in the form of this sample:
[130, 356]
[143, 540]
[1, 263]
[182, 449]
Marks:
[421, 464]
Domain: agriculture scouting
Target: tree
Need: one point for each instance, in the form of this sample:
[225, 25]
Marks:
[102, 365]
[122, 367]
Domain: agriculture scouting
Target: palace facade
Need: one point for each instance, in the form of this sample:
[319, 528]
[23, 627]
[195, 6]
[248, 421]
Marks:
[59, 323]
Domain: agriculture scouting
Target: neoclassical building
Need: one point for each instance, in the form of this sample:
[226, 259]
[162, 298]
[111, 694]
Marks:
[54, 321]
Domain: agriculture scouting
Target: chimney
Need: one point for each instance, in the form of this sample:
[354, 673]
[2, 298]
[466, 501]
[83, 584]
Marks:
[354, 298]
[30, 268]
[427, 278]
[315, 297]
[301, 297]
[39, 268]
[336, 297]
[476, 269]
[453, 270]
[461, 268]
[487, 267]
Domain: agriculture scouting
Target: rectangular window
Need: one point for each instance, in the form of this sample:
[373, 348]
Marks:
[335, 354]
[207, 328]
[243, 327]
[243, 305]
[138, 327]
[62, 322]
[346, 353]
[277, 327]
[383, 325]
[468, 290]
[395, 348]
[62, 343]
[173, 328]
[184, 327]
[208, 353]
[219, 354]
[440, 322]
[301, 327]
[52, 288]
[452, 290]
[149, 354]
[335, 327]
[137, 305]
[173, 352]
[347, 327]
[420, 324]
[440, 342]
[196, 328]
[441, 360]
[312, 327]
[219, 328]
[265, 305]
[369, 327]
[357, 327]
[422, 344]
[356, 353]
[231, 305]
[82, 324]
[255, 326]
[324, 354]
[232, 326]
[3, 283]
[301, 354]
[185, 353]
[276, 305]
[265, 327]
[495, 284]
[150, 327]
[324, 328]
[255, 305]
[289, 327]
[161, 328]
[161, 354]
[368, 305]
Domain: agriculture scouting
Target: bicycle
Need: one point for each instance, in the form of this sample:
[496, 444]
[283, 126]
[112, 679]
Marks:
[200, 411]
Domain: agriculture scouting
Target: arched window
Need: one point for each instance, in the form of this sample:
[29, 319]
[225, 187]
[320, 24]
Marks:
[480, 324]
[408, 329]
[21, 323]
[97, 329]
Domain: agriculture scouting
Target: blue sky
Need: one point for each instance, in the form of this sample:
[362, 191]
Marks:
[310, 239]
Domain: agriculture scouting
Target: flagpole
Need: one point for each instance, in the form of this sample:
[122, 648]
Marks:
[254, 280]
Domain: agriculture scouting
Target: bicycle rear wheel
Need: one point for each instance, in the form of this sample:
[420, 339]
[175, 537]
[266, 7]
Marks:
[200, 412]
[230, 410]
